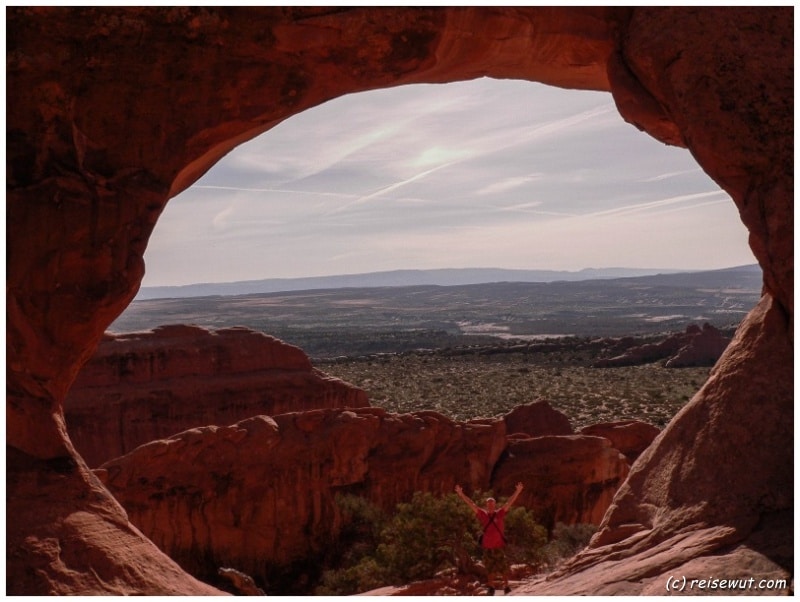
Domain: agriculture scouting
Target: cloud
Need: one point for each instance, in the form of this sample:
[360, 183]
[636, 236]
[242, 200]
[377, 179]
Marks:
[486, 172]
[507, 184]
[391, 188]
[672, 174]
[220, 220]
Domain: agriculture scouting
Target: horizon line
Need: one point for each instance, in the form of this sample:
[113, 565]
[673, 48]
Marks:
[454, 269]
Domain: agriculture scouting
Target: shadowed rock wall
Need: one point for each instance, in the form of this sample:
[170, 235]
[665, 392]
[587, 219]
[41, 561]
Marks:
[149, 385]
[113, 111]
[260, 494]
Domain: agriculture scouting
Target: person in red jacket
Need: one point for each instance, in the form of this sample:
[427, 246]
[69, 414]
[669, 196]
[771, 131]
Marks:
[493, 539]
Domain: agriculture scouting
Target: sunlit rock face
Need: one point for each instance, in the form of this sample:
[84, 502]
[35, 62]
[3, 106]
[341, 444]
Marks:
[142, 386]
[113, 111]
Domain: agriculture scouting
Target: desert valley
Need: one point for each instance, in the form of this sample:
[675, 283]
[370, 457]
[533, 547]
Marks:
[208, 435]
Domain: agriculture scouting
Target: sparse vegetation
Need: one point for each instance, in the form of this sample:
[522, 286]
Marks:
[409, 347]
[429, 535]
[475, 385]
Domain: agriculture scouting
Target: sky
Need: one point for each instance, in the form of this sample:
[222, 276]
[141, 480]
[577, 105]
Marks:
[485, 173]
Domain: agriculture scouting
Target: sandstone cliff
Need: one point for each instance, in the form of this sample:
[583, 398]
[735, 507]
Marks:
[149, 385]
[259, 495]
[631, 437]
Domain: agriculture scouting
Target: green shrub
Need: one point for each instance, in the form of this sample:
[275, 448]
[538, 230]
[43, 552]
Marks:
[362, 522]
[367, 574]
[525, 538]
[425, 536]
[567, 541]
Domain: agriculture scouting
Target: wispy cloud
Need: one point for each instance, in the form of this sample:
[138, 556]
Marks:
[275, 190]
[508, 184]
[672, 174]
[640, 207]
[487, 172]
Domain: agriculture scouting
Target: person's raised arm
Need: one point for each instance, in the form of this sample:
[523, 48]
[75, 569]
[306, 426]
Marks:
[514, 497]
[466, 499]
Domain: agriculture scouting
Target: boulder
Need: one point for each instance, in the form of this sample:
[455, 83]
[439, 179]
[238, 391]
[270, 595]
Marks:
[142, 386]
[703, 349]
[568, 479]
[537, 419]
[241, 583]
[631, 437]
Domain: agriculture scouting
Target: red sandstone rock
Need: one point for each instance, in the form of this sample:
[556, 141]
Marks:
[704, 349]
[84, 544]
[536, 420]
[149, 385]
[631, 437]
[569, 479]
[92, 160]
[261, 493]
[671, 517]
[693, 347]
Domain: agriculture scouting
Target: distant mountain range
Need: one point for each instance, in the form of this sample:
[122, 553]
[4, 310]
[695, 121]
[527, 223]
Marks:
[440, 277]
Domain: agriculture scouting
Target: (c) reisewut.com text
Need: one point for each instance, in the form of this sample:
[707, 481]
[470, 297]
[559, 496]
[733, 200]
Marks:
[687, 584]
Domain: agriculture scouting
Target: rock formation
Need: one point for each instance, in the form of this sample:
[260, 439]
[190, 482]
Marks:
[571, 478]
[694, 347]
[704, 349]
[671, 518]
[631, 437]
[260, 495]
[112, 111]
[86, 543]
[537, 419]
[149, 385]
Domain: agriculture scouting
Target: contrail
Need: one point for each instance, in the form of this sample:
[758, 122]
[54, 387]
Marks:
[525, 136]
[391, 187]
[696, 205]
[278, 190]
[670, 174]
[653, 204]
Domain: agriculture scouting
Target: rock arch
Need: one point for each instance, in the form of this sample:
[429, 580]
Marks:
[113, 111]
